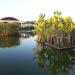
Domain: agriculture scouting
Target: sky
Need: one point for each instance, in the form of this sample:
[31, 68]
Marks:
[27, 10]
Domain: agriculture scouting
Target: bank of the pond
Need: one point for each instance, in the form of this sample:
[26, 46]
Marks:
[9, 29]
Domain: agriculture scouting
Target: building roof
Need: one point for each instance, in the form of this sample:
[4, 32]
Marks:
[10, 18]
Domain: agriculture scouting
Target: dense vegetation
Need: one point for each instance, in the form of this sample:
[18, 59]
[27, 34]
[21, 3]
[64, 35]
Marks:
[56, 26]
[9, 29]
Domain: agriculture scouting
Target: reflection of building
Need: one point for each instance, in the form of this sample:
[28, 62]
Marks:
[26, 34]
[9, 20]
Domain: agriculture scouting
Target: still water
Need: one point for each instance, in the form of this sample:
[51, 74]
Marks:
[24, 56]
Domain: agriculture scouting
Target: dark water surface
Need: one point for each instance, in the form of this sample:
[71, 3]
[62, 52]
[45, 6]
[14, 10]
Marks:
[23, 56]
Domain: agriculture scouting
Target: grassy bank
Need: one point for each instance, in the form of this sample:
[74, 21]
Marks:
[9, 29]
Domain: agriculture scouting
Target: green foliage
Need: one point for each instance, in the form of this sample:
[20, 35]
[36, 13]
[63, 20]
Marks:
[41, 24]
[55, 24]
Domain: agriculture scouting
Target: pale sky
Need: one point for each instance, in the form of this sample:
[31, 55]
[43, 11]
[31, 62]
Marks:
[30, 9]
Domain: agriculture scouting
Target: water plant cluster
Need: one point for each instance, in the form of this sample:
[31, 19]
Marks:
[55, 26]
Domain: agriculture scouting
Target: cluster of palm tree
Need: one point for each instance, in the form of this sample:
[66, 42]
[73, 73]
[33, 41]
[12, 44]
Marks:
[56, 26]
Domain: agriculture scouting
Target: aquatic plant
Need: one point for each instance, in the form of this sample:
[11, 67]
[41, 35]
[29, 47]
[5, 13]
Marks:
[54, 27]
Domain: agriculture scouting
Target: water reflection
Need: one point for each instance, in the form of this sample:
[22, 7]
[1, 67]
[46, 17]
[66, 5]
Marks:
[13, 41]
[26, 34]
[9, 42]
[57, 62]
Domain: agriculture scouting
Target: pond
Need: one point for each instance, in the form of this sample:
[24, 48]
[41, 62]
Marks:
[24, 56]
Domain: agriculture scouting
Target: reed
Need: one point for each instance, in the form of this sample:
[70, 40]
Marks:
[9, 29]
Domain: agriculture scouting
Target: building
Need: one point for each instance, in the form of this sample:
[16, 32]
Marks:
[9, 20]
[27, 24]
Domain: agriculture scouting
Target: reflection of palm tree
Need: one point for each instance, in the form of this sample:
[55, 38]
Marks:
[55, 61]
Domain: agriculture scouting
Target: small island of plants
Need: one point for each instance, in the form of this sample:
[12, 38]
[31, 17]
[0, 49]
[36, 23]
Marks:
[57, 31]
